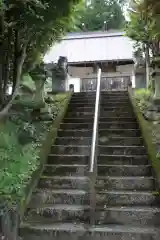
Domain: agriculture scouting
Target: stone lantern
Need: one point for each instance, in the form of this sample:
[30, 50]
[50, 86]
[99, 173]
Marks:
[59, 75]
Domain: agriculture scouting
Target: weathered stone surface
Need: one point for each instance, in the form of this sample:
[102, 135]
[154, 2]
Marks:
[67, 182]
[59, 213]
[125, 183]
[59, 196]
[126, 205]
[78, 231]
[66, 170]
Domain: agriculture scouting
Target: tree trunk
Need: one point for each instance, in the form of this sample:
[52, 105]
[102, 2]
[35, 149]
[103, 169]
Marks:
[147, 65]
[2, 69]
[7, 62]
[15, 64]
[17, 76]
[1, 85]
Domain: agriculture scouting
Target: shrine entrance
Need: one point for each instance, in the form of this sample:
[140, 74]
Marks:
[107, 83]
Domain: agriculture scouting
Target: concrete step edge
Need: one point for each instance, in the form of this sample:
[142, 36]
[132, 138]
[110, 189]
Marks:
[98, 178]
[83, 192]
[69, 137]
[87, 228]
[101, 129]
[76, 207]
[101, 155]
[99, 166]
[101, 146]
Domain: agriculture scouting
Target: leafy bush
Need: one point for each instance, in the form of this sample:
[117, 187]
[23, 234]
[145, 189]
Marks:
[143, 97]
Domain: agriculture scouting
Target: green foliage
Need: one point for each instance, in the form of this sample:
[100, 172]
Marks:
[98, 11]
[16, 162]
[149, 139]
[143, 26]
[135, 28]
[27, 30]
[143, 96]
[20, 145]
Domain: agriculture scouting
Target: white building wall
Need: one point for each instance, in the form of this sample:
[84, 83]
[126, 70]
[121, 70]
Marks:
[76, 82]
[125, 68]
[80, 72]
[83, 72]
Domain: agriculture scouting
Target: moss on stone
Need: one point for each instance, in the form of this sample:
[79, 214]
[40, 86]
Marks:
[46, 146]
[145, 127]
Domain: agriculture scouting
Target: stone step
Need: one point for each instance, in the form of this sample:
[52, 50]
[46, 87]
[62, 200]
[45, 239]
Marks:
[116, 103]
[126, 198]
[124, 170]
[86, 150]
[33, 231]
[123, 159]
[129, 215]
[58, 213]
[65, 170]
[60, 196]
[133, 141]
[102, 98]
[103, 109]
[103, 125]
[103, 170]
[102, 133]
[125, 183]
[101, 119]
[121, 141]
[107, 93]
[103, 159]
[75, 133]
[102, 114]
[104, 102]
[66, 182]
[102, 183]
[112, 96]
[67, 159]
[92, 95]
[119, 133]
[71, 141]
[103, 198]
[80, 101]
[81, 213]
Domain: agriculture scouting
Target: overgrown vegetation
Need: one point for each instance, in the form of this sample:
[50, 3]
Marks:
[144, 28]
[143, 98]
[27, 30]
[20, 145]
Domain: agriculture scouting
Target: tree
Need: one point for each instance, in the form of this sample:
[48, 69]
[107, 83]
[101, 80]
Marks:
[28, 29]
[142, 29]
[143, 26]
[101, 14]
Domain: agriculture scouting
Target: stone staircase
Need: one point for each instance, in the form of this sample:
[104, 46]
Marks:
[126, 206]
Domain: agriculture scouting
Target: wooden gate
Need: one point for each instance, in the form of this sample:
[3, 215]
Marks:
[107, 83]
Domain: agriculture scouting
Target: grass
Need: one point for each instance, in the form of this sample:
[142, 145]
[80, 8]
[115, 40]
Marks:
[17, 162]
